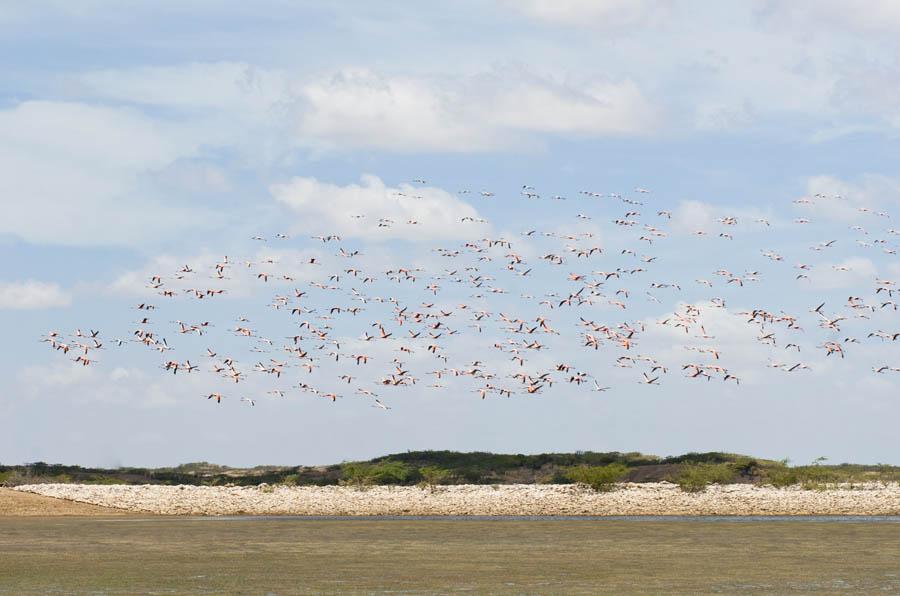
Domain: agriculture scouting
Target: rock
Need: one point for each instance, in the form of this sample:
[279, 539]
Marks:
[628, 499]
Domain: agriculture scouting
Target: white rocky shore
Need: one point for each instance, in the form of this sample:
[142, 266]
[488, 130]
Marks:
[628, 499]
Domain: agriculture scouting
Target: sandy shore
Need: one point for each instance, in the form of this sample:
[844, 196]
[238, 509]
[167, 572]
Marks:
[629, 499]
[21, 504]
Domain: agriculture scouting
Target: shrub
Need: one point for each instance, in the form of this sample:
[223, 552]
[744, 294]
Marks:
[17, 478]
[816, 477]
[354, 474]
[391, 472]
[887, 474]
[383, 472]
[813, 477]
[431, 476]
[694, 478]
[599, 478]
[781, 476]
[99, 480]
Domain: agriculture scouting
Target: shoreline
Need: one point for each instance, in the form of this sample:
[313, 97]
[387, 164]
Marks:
[647, 499]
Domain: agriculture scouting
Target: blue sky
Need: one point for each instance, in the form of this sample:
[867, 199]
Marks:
[136, 138]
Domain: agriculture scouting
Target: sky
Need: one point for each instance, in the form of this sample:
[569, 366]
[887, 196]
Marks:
[138, 138]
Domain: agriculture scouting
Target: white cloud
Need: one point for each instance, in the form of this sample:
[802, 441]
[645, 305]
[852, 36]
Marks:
[235, 86]
[193, 177]
[94, 385]
[724, 116]
[837, 199]
[362, 108]
[733, 337]
[239, 281]
[238, 106]
[358, 107]
[70, 174]
[86, 134]
[593, 109]
[723, 67]
[137, 281]
[871, 16]
[32, 295]
[691, 216]
[324, 208]
[854, 272]
[607, 14]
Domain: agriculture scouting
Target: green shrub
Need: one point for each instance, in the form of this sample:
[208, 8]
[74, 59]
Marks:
[383, 472]
[599, 478]
[354, 474]
[433, 475]
[392, 472]
[100, 480]
[817, 477]
[15, 478]
[694, 478]
[781, 476]
[813, 477]
[886, 474]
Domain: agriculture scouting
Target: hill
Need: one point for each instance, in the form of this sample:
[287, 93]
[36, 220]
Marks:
[453, 467]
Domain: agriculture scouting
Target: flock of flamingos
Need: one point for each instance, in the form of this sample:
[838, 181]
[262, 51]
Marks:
[507, 316]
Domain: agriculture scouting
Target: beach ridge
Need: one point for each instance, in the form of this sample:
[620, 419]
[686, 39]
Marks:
[490, 500]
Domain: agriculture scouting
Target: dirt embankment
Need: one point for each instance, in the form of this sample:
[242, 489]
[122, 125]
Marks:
[629, 499]
[18, 503]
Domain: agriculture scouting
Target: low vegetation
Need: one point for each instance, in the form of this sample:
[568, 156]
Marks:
[431, 476]
[600, 471]
[380, 472]
[696, 476]
[600, 478]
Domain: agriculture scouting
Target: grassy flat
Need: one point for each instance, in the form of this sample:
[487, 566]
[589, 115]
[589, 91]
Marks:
[130, 555]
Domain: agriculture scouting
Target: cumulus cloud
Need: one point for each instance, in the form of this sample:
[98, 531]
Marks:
[362, 108]
[722, 68]
[855, 272]
[137, 281]
[840, 200]
[283, 266]
[740, 351]
[359, 107]
[32, 295]
[425, 213]
[71, 173]
[692, 216]
[734, 338]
